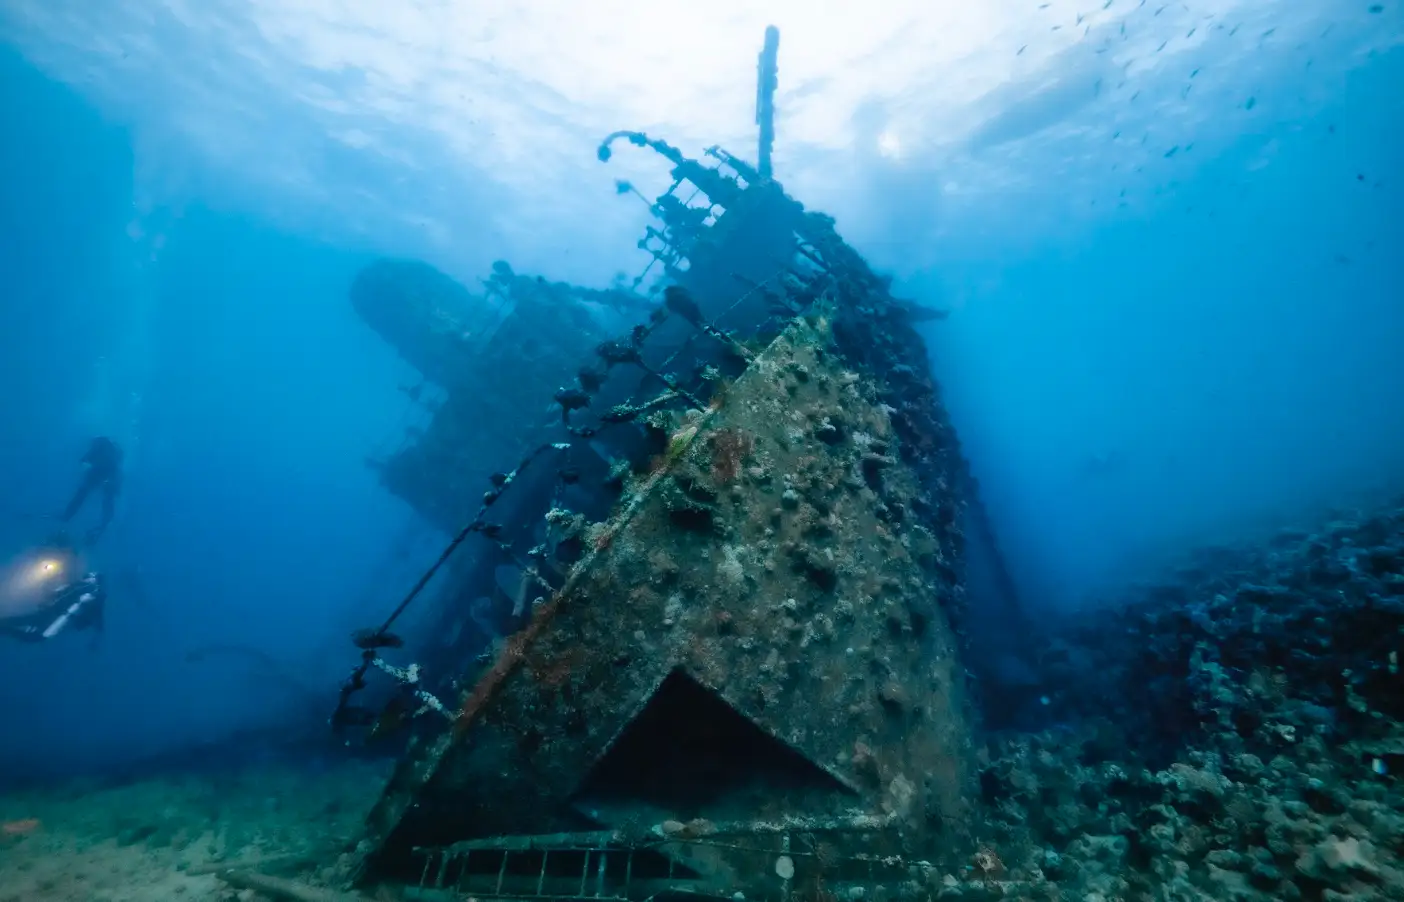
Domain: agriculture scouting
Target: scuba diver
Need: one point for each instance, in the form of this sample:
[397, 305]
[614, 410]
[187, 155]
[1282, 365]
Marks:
[47, 591]
[103, 462]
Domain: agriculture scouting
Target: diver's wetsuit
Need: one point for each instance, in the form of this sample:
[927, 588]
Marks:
[76, 606]
[104, 462]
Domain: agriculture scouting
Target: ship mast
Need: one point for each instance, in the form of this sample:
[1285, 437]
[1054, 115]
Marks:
[767, 78]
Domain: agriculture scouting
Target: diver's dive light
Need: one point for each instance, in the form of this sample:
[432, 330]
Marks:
[38, 573]
[46, 569]
[28, 581]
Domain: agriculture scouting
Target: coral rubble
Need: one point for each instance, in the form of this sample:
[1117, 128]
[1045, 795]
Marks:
[1233, 733]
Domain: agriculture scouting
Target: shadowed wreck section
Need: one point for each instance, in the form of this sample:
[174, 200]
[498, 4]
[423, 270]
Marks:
[721, 595]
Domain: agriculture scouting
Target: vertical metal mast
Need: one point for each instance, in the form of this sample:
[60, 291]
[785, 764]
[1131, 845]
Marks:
[767, 78]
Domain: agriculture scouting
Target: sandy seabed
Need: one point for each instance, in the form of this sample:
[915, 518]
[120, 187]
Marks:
[156, 838]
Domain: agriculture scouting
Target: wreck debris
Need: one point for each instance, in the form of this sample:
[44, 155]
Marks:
[282, 889]
[538, 331]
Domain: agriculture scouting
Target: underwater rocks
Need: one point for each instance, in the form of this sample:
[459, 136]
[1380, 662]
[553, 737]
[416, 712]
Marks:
[1234, 733]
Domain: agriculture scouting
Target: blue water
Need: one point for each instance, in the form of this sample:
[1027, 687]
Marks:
[1177, 301]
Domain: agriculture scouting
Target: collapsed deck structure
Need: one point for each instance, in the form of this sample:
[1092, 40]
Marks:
[705, 634]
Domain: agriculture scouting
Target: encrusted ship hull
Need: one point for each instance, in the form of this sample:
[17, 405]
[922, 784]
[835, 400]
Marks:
[733, 656]
[750, 637]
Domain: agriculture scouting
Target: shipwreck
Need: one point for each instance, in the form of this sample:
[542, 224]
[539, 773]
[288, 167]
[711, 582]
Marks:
[702, 626]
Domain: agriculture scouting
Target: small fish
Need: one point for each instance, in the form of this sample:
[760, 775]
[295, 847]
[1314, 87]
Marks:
[1376, 8]
[1108, 4]
[1268, 33]
[1080, 17]
[1250, 103]
[1234, 30]
[1162, 46]
[1192, 31]
[1134, 96]
[1194, 73]
[1159, 11]
[1021, 50]
[19, 828]
[1172, 151]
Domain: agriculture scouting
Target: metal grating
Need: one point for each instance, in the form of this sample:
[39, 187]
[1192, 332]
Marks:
[789, 861]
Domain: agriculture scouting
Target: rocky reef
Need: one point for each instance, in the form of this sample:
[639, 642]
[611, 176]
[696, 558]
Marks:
[1233, 733]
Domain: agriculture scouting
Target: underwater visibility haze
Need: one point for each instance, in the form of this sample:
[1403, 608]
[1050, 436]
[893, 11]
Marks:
[264, 246]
